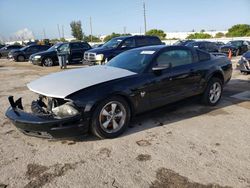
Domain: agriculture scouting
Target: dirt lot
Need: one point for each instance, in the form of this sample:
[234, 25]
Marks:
[182, 145]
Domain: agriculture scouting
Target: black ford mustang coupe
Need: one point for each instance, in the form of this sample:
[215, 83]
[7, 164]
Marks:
[104, 98]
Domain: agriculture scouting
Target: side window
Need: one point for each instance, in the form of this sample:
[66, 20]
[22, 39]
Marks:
[203, 46]
[44, 47]
[203, 56]
[64, 48]
[129, 43]
[141, 41]
[75, 46]
[33, 49]
[175, 57]
[84, 46]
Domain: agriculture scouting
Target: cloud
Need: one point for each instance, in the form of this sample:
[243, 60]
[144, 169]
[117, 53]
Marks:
[23, 34]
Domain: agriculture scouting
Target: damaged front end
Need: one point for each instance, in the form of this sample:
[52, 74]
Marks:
[49, 118]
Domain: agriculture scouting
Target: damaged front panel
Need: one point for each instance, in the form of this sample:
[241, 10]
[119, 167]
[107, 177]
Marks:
[50, 117]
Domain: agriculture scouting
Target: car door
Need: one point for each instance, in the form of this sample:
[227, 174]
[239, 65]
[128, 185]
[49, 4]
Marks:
[76, 53]
[177, 82]
[84, 47]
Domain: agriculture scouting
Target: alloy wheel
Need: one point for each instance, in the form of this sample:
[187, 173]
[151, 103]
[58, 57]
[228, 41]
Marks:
[215, 92]
[48, 62]
[112, 117]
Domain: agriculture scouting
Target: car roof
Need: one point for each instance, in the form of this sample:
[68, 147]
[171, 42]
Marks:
[157, 48]
[135, 36]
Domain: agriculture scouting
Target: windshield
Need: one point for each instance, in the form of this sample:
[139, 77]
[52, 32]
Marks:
[113, 43]
[54, 47]
[235, 43]
[134, 61]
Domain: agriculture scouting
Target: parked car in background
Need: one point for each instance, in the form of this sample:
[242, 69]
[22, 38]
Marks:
[204, 45]
[116, 46]
[183, 42]
[238, 47]
[24, 53]
[104, 98]
[5, 50]
[2, 45]
[244, 63]
[49, 58]
[97, 45]
[220, 43]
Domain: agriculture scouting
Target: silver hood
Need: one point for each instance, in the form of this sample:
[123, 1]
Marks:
[62, 84]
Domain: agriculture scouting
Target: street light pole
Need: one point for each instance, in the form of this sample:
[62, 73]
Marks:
[145, 19]
[91, 31]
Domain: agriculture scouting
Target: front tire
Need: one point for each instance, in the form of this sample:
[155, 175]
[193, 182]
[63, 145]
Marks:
[48, 62]
[110, 118]
[20, 58]
[213, 92]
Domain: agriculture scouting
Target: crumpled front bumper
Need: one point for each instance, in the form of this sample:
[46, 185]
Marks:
[46, 126]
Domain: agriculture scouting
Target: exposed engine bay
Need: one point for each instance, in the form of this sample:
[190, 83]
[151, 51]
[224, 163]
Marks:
[54, 107]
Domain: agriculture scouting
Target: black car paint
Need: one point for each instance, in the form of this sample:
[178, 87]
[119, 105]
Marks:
[159, 89]
[27, 52]
[5, 50]
[76, 55]
[110, 53]
[236, 50]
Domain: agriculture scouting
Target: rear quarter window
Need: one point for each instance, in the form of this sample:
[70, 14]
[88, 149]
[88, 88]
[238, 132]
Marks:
[203, 56]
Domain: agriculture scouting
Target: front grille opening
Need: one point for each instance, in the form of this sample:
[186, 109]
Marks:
[54, 107]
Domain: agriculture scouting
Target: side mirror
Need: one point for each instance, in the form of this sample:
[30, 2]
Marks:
[159, 69]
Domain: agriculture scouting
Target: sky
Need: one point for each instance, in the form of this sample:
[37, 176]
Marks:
[113, 15]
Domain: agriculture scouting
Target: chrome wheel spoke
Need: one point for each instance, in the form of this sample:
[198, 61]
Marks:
[115, 124]
[105, 113]
[211, 97]
[120, 114]
[106, 123]
[113, 107]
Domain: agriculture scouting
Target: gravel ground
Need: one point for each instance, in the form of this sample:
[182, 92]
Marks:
[183, 145]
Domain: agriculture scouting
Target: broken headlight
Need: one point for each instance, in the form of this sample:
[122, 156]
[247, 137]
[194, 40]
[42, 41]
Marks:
[65, 110]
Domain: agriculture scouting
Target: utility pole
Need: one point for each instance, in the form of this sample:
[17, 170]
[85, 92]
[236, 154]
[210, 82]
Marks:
[58, 31]
[145, 20]
[124, 30]
[91, 30]
[62, 31]
[44, 34]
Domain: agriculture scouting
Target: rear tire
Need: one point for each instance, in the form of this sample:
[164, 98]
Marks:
[110, 118]
[213, 92]
[20, 58]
